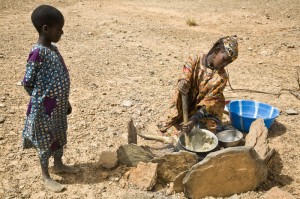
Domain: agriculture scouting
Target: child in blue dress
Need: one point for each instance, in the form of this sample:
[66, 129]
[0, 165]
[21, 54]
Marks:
[47, 82]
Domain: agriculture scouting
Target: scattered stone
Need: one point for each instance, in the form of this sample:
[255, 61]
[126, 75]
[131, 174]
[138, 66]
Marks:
[131, 154]
[132, 132]
[144, 175]
[291, 46]
[19, 83]
[104, 175]
[171, 164]
[2, 119]
[226, 172]
[250, 49]
[2, 105]
[170, 190]
[235, 196]
[126, 103]
[291, 112]
[1, 55]
[276, 192]
[11, 111]
[108, 159]
[257, 138]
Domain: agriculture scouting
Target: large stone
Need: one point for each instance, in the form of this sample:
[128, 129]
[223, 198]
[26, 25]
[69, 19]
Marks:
[108, 159]
[178, 186]
[257, 137]
[226, 172]
[131, 154]
[277, 193]
[171, 164]
[144, 175]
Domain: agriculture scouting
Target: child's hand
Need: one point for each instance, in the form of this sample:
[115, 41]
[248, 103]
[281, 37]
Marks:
[189, 126]
[69, 108]
[183, 86]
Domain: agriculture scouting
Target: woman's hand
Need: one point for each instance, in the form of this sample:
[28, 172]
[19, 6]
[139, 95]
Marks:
[183, 86]
[189, 126]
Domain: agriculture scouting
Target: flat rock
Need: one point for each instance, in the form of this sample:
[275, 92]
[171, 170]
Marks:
[171, 164]
[144, 175]
[277, 193]
[291, 112]
[257, 137]
[131, 154]
[226, 172]
[108, 159]
[178, 186]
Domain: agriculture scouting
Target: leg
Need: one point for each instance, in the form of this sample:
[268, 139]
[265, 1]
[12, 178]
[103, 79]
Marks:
[49, 183]
[59, 167]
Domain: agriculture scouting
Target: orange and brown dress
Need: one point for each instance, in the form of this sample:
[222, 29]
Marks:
[206, 89]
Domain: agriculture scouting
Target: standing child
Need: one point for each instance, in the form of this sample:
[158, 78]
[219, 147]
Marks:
[47, 82]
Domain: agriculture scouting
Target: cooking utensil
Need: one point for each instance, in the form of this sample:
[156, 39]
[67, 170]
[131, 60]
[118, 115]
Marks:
[202, 141]
[185, 112]
[230, 138]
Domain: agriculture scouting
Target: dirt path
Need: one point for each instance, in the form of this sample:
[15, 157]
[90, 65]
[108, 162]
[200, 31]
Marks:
[134, 50]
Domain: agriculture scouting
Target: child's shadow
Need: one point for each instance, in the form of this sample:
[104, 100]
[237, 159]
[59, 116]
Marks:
[277, 129]
[92, 173]
[274, 177]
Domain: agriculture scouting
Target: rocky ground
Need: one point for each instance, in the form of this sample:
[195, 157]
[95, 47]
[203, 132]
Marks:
[124, 58]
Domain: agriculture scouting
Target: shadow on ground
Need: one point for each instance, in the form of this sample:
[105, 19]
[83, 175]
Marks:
[274, 177]
[277, 129]
[92, 173]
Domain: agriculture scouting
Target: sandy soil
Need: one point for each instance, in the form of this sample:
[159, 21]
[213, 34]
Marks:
[133, 50]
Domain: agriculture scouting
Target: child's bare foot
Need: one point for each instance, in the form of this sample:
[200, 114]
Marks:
[61, 168]
[52, 185]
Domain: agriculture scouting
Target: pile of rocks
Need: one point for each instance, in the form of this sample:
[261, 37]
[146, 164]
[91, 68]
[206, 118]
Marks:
[222, 173]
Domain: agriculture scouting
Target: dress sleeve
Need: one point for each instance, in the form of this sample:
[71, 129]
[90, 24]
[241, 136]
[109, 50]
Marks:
[188, 68]
[32, 68]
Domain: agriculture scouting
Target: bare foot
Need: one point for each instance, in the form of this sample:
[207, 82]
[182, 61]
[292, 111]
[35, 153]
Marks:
[65, 169]
[52, 185]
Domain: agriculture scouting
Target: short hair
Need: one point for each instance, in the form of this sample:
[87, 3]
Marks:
[46, 15]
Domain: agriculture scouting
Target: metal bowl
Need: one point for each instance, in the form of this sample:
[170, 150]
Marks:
[229, 138]
[201, 141]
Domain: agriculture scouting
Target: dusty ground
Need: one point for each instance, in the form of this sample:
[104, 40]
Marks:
[134, 50]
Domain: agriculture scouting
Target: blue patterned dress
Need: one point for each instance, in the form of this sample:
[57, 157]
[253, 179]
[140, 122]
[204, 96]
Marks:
[46, 122]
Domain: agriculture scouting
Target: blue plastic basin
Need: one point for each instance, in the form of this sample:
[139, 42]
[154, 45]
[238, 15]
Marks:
[243, 112]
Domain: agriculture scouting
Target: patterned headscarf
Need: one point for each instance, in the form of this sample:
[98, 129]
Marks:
[231, 46]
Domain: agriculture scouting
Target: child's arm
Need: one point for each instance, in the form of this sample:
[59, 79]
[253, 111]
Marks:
[186, 79]
[32, 68]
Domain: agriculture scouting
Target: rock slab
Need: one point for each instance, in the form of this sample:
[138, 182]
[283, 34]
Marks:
[224, 173]
[257, 138]
[144, 175]
[108, 159]
[171, 164]
[132, 154]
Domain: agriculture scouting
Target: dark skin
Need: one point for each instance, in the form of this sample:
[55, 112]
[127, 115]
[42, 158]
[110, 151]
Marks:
[218, 59]
[47, 35]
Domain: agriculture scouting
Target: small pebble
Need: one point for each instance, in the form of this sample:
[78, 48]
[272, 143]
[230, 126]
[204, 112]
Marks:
[291, 112]
[2, 119]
